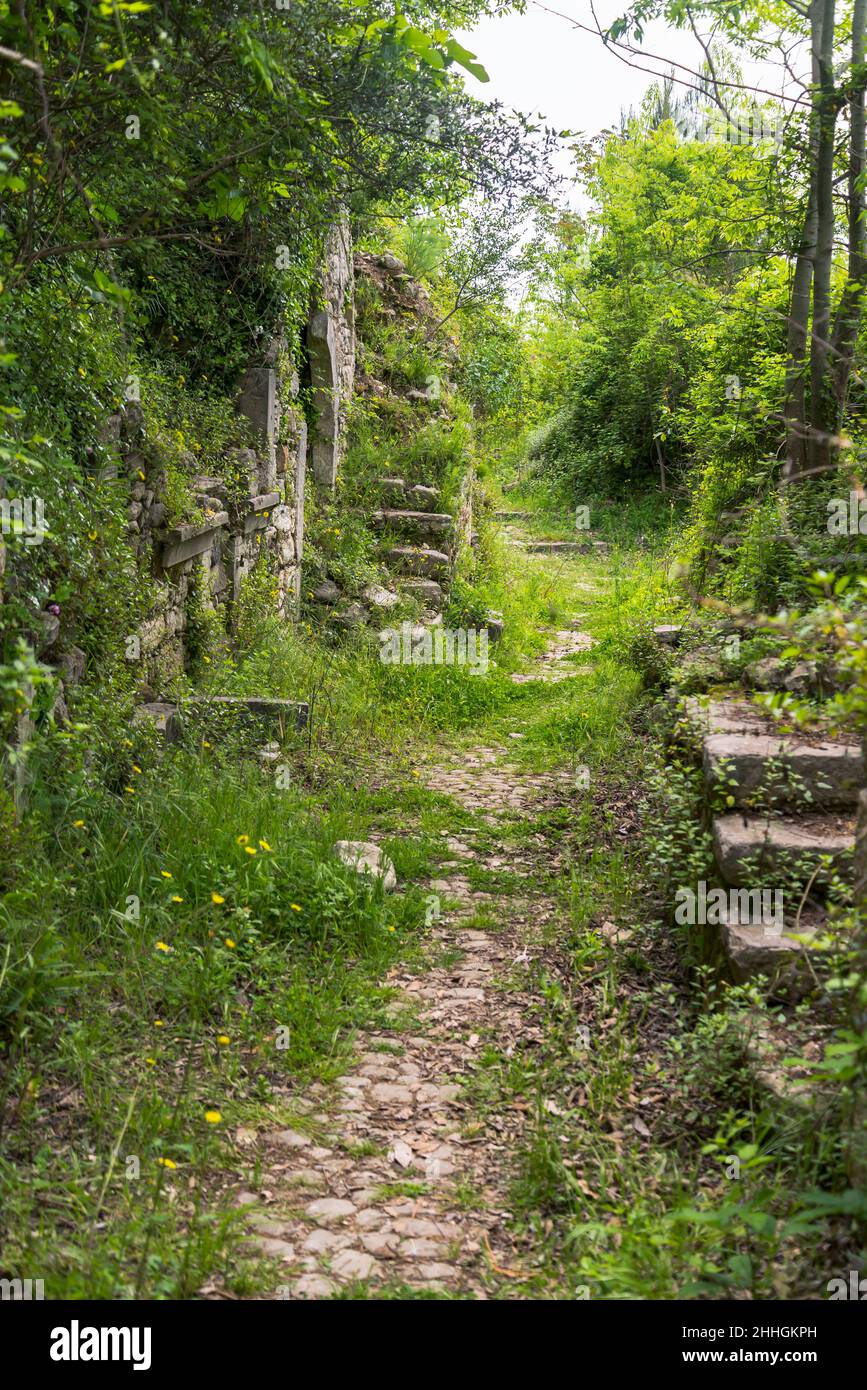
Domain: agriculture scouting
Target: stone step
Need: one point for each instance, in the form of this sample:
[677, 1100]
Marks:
[424, 499]
[588, 547]
[556, 547]
[742, 841]
[425, 590]
[417, 561]
[756, 950]
[785, 767]
[725, 717]
[415, 495]
[413, 523]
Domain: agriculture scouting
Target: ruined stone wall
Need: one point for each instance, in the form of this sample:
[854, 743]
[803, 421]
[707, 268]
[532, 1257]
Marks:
[205, 563]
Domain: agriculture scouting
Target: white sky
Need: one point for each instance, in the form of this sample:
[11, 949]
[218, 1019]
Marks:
[539, 64]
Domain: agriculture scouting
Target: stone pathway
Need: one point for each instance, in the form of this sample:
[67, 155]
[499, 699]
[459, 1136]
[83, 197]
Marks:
[388, 1177]
[556, 663]
[381, 1192]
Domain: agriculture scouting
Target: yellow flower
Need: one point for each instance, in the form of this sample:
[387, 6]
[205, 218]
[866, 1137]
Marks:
[295, 907]
[213, 1117]
[248, 849]
[205, 743]
[166, 1163]
[243, 839]
[78, 824]
[216, 898]
[230, 943]
[82, 372]
[165, 873]
[150, 1061]
[223, 1040]
[161, 946]
[391, 929]
[141, 475]
[158, 1023]
[131, 790]
[263, 844]
[176, 898]
[92, 535]
[136, 769]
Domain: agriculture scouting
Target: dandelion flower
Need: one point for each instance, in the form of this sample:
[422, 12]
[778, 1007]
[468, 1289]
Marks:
[150, 1061]
[161, 946]
[223, 1040]
[263, 844]
[176, 898]
[295, 907]
[248, 849]
[243, 840]
[217, 898]
[131, 790]
[78, 824]
[136, 769]
[213, 1117]
[230, 943]
[167, 1163]
[165, 873]
[158, 1023]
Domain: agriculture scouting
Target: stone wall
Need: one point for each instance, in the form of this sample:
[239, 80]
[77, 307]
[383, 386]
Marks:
[331, 354]
[203, 564]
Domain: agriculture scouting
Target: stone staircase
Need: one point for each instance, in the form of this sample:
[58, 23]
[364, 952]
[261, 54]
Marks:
[417, 541]
[793, 799]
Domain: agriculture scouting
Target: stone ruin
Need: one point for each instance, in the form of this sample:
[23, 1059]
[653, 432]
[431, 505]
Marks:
[210, 559]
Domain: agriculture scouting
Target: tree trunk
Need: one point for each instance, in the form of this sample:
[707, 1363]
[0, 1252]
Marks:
[821, 419]
[849, 310]
[799, 307]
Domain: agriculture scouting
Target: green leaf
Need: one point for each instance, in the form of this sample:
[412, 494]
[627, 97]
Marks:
[458, 54]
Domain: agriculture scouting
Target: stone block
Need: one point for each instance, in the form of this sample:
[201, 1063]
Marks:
[772, 844]
[833, 772]
[262, 716]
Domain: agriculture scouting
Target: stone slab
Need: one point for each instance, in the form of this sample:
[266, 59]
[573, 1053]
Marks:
[276, 715]
[424, 564]
[185, 542]
[739, 838]
[833, 772]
